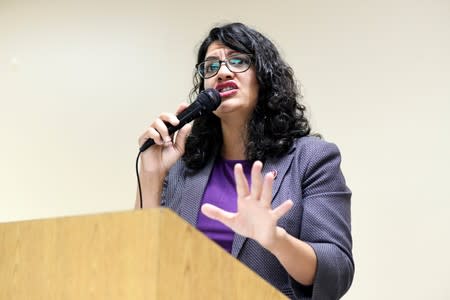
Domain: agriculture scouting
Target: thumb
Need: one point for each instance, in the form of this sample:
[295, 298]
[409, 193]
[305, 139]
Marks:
[181, 137]
[283, 208]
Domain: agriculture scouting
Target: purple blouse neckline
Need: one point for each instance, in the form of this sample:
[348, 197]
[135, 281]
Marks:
[221, 192]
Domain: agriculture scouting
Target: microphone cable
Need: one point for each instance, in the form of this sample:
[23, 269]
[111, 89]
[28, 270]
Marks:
[139, 181]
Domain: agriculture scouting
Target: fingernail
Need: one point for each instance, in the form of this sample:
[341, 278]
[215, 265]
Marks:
[274, 173]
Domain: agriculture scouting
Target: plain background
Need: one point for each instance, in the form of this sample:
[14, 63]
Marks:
[81, 80]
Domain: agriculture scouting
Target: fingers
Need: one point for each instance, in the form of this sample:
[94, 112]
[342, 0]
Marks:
[266, 193]
[242, 188]
[282, 209]
[261, 187]
[163, 133]
[257, 180]
[150, 133]
[217, 214]
[181, 107]
[158, 129]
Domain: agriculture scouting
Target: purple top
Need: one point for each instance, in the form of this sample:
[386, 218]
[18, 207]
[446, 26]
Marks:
[221, 192]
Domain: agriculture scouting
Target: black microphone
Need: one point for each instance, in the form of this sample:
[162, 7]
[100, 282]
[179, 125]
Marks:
[207, 101]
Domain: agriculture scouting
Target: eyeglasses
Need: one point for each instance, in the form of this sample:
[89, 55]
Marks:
[236, 63]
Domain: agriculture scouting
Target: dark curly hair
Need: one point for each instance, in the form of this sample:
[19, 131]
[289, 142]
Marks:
[277, 118]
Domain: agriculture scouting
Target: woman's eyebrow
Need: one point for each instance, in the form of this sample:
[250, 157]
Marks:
[229, 53]
[212, 57]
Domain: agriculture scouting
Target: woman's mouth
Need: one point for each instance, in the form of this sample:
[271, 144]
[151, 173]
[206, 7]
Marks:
[228, 93]
[227, 89]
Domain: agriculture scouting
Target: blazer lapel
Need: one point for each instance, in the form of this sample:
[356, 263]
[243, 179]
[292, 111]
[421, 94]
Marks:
[280, 167]
[195, 186]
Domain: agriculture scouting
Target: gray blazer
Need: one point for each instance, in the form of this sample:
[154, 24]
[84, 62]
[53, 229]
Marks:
[310, 175]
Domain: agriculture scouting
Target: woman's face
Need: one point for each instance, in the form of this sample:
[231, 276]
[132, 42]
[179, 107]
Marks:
[239, 91]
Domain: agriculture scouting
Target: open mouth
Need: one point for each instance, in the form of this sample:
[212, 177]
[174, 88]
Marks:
[227, 89]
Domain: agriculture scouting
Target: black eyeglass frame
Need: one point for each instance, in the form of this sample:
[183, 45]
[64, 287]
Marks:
[225, 61]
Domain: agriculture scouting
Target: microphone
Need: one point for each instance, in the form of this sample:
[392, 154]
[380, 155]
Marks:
[207, 101]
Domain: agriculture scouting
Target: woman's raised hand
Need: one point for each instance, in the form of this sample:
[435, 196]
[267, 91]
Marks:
[255, 217]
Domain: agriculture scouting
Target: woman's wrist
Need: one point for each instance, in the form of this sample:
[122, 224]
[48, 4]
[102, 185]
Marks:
[152, 174]
[278, 241]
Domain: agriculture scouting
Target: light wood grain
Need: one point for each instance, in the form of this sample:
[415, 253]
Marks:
[149, 254]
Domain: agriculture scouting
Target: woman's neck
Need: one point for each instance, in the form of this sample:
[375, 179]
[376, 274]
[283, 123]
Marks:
[234, 144]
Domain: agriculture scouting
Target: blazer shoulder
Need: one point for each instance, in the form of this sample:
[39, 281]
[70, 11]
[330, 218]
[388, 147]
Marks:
[315, 146]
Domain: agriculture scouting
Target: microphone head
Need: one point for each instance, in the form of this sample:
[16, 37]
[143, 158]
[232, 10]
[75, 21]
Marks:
[209, 99]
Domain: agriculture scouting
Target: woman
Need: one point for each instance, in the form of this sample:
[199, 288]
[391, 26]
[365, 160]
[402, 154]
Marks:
[249, 175]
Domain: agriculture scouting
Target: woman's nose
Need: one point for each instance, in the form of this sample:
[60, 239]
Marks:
[224, 72]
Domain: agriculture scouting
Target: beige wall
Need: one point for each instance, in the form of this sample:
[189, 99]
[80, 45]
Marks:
[80, 80]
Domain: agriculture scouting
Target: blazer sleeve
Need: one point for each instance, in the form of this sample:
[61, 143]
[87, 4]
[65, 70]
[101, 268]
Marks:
[326, 221]
[173, 181]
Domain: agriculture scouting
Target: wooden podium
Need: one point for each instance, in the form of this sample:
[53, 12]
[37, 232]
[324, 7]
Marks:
[147, 254]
